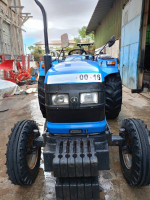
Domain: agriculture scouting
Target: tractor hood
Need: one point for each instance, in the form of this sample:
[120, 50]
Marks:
[75, 67]
[64, 69]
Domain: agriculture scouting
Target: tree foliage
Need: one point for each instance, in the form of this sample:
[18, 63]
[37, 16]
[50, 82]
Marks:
[83, 37]
[37, 52]
[77, 40]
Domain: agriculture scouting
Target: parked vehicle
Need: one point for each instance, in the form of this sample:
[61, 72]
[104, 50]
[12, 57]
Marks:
[108, 65]
[77, 134]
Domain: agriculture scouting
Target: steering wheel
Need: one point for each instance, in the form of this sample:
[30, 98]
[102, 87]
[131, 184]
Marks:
[82, 51]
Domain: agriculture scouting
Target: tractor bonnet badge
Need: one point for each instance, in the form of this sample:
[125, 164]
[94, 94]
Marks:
[74, 100]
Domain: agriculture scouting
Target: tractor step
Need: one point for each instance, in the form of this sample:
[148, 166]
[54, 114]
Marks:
[75, 158]
[77, 188]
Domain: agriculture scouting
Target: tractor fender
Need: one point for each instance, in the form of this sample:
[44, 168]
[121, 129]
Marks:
[42, 69]
[107, 70]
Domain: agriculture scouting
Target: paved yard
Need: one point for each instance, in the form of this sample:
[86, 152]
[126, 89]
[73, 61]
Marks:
[115, 187]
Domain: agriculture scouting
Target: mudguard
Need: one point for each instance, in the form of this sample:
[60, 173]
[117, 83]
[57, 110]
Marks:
[42, 69]
[108, 69]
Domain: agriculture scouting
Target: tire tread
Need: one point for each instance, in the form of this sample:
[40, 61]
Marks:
[113, 88]
[41, 95]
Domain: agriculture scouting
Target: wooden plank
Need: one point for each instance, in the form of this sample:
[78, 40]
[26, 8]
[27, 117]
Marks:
[16, 6]
[6, 10]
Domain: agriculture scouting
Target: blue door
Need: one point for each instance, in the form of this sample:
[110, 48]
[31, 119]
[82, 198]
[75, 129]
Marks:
[130, 43]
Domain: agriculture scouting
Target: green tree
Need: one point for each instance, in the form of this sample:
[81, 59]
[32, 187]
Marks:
[37, 52]
[84, 36]
[68, 49]
[31, 48]
[77, 40]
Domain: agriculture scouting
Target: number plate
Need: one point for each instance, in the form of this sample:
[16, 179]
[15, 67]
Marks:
[75, 78]
[89, 77]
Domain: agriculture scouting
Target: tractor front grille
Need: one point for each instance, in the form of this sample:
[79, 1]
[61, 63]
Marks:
[75, 113]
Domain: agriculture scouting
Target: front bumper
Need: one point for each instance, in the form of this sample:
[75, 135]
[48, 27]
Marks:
[86, 127]
[75, 112]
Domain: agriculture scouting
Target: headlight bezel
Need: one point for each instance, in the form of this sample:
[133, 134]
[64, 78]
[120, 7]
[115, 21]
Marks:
[83, 96]
[85, 99]
[56, 97]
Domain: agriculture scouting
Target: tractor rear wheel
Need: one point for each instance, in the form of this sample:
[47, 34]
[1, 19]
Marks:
[23, 157]
[113, 88]
[135, 153]
[41, 95]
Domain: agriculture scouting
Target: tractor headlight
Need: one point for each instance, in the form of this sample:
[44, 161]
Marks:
[89, 98]
[60, 99]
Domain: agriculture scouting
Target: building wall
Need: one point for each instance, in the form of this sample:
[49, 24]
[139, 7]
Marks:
[11, 42]
[52, 46]
[114, 51]
[127, 20]
[55, 47]
[111, 24]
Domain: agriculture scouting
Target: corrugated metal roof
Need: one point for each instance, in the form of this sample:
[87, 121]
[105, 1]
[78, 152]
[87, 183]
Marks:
[102, 8]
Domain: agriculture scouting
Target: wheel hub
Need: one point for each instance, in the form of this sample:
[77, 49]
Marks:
[32, 159]
[127, 159]
[127, 152]
[32, 153]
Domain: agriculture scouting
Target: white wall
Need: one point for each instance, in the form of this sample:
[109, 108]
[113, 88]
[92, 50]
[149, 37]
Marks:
[114, 51]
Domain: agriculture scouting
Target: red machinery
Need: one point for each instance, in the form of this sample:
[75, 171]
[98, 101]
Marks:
[10, 74]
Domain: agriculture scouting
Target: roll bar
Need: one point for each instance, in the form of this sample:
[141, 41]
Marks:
[45, 26]
[47, 56]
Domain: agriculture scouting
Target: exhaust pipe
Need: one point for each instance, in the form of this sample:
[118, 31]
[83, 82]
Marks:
[47, 56]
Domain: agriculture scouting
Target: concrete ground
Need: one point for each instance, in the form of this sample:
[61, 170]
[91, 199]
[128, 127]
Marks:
[114, 185]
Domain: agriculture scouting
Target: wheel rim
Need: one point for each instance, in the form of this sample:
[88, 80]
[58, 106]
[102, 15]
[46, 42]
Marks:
[32, 153]
[127, 153]
[127, 159]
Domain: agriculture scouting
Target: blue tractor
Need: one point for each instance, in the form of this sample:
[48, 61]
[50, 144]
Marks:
[109, 67]
[75, 142]
[41, 93]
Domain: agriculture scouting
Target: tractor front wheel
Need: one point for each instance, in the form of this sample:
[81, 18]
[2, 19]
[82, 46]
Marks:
[23, 157]
[135, 153]
[113, 88]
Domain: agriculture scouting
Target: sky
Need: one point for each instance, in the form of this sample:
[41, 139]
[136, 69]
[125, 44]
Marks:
[64, 16]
